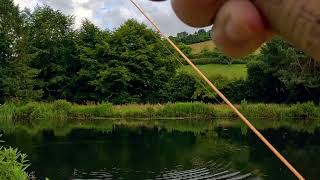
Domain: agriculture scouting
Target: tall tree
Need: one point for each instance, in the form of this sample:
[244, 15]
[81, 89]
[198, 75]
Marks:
[94, 53]
[51, 41]
[17, 78]
[141, 56]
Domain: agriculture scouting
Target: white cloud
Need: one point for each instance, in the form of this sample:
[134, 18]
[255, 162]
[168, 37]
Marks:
[112, 13]
[27, 3]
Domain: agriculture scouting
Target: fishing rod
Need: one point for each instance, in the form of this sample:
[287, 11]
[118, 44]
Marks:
[220, 94]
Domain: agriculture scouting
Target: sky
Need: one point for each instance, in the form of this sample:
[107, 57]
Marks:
[109, 14]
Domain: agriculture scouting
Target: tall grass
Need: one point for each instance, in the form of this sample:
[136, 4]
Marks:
[187, 110]
[59, 112]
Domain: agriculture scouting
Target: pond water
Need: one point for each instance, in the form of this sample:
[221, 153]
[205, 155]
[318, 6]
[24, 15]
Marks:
[171, 149]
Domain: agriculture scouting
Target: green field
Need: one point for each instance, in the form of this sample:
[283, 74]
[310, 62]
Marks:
[198, 47]
[233, 71]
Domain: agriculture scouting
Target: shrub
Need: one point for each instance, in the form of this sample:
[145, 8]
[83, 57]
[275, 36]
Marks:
[62, 106]
[103, 110]
[28, 111]
[12, 164]
[304, 111]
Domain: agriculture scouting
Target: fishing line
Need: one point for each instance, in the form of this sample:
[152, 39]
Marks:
[223, 97]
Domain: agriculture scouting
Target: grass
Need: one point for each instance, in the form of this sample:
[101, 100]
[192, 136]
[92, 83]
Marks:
[212, 71]
[59, 113]
[198, 47]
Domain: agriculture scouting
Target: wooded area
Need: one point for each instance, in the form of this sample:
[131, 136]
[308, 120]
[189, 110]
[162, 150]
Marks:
[43, 58]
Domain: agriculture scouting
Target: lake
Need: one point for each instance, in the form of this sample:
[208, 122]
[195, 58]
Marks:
[166, 149]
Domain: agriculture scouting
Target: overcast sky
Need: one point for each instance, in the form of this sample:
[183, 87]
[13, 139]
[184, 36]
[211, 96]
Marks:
[111, 13]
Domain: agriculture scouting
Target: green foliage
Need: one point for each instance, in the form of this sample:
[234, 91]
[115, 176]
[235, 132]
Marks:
[13, 164]
[130, 63]
[44, 58]
[28, 111]
[199, 36]
[62, 106]
[304, 111]
[237, 90]
[17, 77]
[180, 88]
[51, 42]
[284, 74]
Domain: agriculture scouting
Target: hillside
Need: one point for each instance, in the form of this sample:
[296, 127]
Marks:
[198, 47]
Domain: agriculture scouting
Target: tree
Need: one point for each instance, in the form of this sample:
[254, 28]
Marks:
[145, 59]
[51, 42]
[94, 53]
[181, 88]
[284, 73]
[17, 78]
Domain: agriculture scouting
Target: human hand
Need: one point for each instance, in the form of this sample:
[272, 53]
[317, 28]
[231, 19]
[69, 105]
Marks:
[240, 27]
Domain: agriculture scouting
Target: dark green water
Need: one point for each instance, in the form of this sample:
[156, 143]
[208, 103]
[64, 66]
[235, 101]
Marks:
[159, 149]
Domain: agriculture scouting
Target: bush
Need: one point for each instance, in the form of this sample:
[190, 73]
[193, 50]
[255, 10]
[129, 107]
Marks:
[28, 111]
[180, 88]
[304, 111]
[103, 110]
[12, 164]
[62, 106]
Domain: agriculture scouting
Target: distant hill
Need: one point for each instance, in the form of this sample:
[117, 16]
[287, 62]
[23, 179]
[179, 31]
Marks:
[198, 47]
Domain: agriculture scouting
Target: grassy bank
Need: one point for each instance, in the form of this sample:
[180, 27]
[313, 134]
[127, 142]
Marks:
[62, 110]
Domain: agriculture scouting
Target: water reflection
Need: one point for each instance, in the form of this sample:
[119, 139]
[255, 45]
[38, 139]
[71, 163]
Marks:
[161, 149]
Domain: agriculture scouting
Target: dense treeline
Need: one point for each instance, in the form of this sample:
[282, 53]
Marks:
[44, 58]
[197, 37]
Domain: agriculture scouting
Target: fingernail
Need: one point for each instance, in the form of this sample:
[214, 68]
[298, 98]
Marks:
[237, 32]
